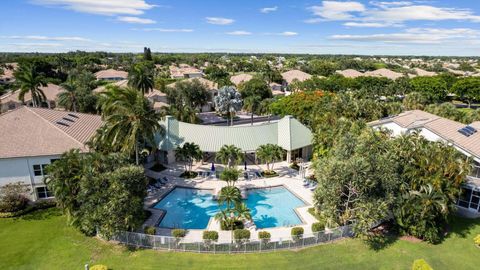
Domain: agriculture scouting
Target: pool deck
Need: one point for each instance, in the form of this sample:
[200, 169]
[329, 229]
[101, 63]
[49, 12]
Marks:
[287, 178]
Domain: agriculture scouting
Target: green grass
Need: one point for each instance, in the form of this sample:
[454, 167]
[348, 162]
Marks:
[41, 240]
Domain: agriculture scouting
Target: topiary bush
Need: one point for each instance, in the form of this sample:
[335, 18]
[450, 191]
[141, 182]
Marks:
[241, 235]
[318, 226]
[476, 240]
[421, 264]
[297, 232]
[264, 236]
[12, 198]
[99, 267]
[179, 233]
[150, 230]
[210, 236]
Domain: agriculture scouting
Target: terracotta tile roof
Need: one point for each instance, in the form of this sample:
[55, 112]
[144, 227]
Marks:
[384, 72]
[422, 72]
[291, 75]
[111, 73]
[209, 84]
[350, 73]
[122, 83]
[240, 78]
[51, 91]
[37, 131]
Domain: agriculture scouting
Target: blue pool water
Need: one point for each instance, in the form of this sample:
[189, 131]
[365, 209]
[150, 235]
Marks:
[189, 208]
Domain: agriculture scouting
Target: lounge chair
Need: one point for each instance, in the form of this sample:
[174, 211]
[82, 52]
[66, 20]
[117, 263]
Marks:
[245, 176]
[259, 175]
[165, 179]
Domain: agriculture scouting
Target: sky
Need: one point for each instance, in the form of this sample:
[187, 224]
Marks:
[442, 27]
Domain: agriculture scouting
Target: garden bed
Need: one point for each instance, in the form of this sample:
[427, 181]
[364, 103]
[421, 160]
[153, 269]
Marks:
[189, 175]
[269, 174]
[158, 167]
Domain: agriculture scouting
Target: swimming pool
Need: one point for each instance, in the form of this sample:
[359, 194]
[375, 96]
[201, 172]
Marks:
[189, 208]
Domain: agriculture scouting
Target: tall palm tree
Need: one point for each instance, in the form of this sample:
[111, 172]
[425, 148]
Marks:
[251, 104]
[229, 195]
[188, 153]
[30, 81]
[129, 120]
[242, 211]
[68, 98]
[140, 77]
[230, 155]
[269, 153]
[230, 175]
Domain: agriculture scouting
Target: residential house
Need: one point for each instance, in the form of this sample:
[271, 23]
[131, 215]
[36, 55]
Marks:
[10, 101]
[350, 73]
[111, 75]
[294, 75]
[384, 72]
[32, 138]
[240, 78]
[464, 138]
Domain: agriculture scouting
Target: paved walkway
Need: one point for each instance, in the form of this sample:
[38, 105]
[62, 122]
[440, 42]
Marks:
[288, 178]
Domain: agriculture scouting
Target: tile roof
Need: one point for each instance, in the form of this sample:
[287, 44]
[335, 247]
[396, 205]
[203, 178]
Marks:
[209, 84]
[350, 73]
[30, 131]
[51, 91]
[240, 78]
[291, 75]
[384, 72]
[111, 73]
[122, 83]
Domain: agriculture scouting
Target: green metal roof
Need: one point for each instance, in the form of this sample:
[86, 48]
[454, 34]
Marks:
[288, 133]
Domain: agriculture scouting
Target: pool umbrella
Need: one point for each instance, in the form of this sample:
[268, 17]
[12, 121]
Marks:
[213, 167]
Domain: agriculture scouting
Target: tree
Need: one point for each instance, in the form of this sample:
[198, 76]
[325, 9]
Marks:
[434, 89]
[68, 97]
[269, 153]
[129, 120]
[187, 153]
[147, 54]
[229, 175]
[192, 95]
[255, 87]
[217, 74]
[230, 155]
[414, 101]
[229, 195]
[242, 211]
[252, 105]
[140, 77]
[30, 81]
[467, 89]
[228, 101]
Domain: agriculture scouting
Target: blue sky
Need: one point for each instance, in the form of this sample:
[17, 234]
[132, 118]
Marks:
[448, 27]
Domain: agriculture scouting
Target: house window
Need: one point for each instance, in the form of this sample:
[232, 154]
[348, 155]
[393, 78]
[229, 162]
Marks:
[44, 193]
[39, 169]
[464, 199]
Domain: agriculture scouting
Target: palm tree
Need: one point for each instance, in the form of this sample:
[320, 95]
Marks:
[140, 77]
[230, 155]
[264, 108]
[269, 153]
[68, 98]
[30, 81]
[229, 195]
[129, 120]
[230, 175]
[188, 153]
[242, 211]
[251, 104]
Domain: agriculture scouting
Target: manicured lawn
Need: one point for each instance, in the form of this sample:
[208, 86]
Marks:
[42, 240]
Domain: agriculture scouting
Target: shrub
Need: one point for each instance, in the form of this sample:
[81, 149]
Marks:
[12, 197]
[241, 235]
[44, 204]
[477, 240]
[210, 235]
[227, 227]
[421, 264]
[297, 232]
[269, 174]
[99, 267]
[264, 236]
[150, 230]
[179, 233]
[295, 166]
[188, 174]
[318, 226]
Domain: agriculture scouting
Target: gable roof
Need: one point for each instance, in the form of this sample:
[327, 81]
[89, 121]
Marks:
[291, 75]
[30, 131]
[288, 133]
[350, 73]
[384, 72]
[51, 91]
[210, 85]
[240, 78]
[111, 73]
[122, 83]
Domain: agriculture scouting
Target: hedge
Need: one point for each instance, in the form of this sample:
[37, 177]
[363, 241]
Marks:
[297, 232]
[263, 235]
[318, 226]
[150, 230]
[241, 234]
[179, 233]
[210, 235]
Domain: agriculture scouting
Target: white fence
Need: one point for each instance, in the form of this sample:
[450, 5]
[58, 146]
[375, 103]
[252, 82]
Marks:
[176, 244]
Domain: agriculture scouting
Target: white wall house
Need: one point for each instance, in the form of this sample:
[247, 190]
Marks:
[32, 138]
[435, 128]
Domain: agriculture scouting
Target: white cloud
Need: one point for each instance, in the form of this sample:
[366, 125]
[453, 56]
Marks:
[219, 21]
[33, 37]
[268, 9]
[130, 19]
[239, 33]
[288, 34]
[334, 10]
[26, 45]
[386, 13]
[371, 24]
[417, 36]
[165, 30]
[102, 7]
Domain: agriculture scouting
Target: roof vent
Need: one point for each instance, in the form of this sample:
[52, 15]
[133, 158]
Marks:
[73, 115]
[467, 131]
[68, 119]
[63, 124]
